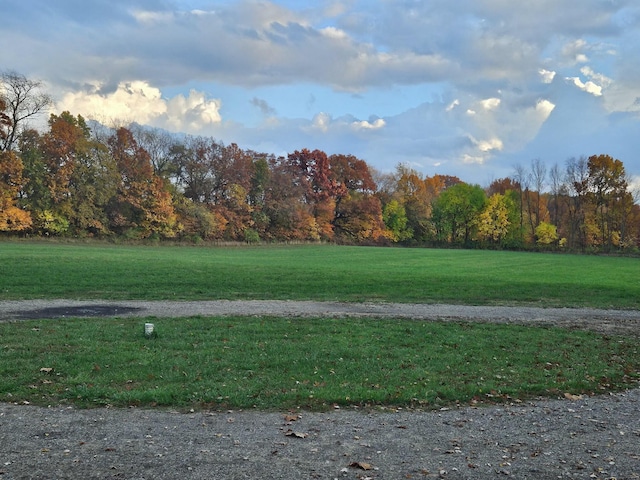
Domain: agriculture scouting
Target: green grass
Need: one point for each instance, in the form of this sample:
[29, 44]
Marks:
[316, 272]
[271, 363]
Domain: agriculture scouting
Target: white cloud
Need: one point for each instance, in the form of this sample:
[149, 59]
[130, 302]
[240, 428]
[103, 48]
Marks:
[490, 103]
[365, 125]
[140, 102]
[573, 52]
[471, 159]
[547, 75]
[321, 121]
[588, 87]
[601, 79]
[453, 105]
[486, 146]
[544, 108]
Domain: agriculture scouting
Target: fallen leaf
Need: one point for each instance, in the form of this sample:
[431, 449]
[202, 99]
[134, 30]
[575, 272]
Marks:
[572, 397]
[46, 370]
[291, 418]
[291, 433]
[361, 465]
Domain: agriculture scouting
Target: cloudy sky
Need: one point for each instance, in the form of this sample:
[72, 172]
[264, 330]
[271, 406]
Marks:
[459, 87]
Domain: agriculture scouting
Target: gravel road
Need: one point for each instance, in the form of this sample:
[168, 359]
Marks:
[575, 437]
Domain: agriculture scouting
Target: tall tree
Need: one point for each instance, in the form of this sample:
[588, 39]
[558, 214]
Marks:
[609, 196]
[290, 216]
[313, 172]
[412, 193]
[577, 182]
[494, 221]
[23, 99]
[81, 176]
[358, 212]
[143, 205]
[158, 144]
[456, 212]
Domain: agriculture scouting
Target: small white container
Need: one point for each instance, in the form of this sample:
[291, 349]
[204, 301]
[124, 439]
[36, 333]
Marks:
[148, 329]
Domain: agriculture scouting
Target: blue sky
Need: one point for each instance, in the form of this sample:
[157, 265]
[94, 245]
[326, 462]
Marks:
[458, 87]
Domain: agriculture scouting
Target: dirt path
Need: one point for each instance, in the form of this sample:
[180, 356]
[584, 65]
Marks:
[583, 438]
[603, 321]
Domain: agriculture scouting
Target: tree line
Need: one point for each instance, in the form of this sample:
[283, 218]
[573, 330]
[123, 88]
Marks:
[82, 179]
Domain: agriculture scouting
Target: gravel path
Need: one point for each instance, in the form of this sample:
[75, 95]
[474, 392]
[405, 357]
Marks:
[584, 438]
[603, 321]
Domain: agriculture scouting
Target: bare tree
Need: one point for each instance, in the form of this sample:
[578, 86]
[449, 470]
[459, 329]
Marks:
[23, 99]
[577, 181]
[523, 179]
[158, 144]
[538, 178]
[558, 187]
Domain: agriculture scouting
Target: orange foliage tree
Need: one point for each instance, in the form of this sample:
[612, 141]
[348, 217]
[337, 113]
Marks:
[143, 206]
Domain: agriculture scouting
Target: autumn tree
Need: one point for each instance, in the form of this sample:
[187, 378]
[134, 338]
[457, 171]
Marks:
[411, 192]
[81, 176]
[233, 171]
[495, 220]
[576, 198]
[502, 186]
[312, 171]
[285, 205]
[358, 212]
[12, 217]
[608, 194]
[142, 206]
[546, 234]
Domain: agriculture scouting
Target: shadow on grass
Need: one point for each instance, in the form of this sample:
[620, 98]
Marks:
[81, 311]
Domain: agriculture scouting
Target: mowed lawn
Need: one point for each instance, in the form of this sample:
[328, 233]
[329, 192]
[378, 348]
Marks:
[276, 363]
[317, 272]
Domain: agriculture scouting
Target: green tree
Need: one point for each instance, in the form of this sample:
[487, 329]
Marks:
[456, 211]
[395, 219]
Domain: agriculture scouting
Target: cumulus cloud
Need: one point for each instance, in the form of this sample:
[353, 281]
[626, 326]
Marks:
[488, 145]
[574, 51]
[137, 101]
[365, 125]
[490, 103]
[547, 75]
[464, 82]
[589, 86]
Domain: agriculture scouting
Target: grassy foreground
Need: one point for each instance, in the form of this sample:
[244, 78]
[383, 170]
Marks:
[272, 363]
[322, 272]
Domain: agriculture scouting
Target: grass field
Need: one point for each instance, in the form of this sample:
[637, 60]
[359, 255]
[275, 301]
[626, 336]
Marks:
[274, 363]
[322, 272]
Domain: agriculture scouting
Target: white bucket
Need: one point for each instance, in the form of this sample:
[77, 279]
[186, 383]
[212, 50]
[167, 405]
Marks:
[148, 329]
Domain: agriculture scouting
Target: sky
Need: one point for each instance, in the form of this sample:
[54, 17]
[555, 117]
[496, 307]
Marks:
[471, 88]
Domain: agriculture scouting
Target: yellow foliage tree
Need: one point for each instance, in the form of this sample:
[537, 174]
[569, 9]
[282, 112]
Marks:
[12, 218]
